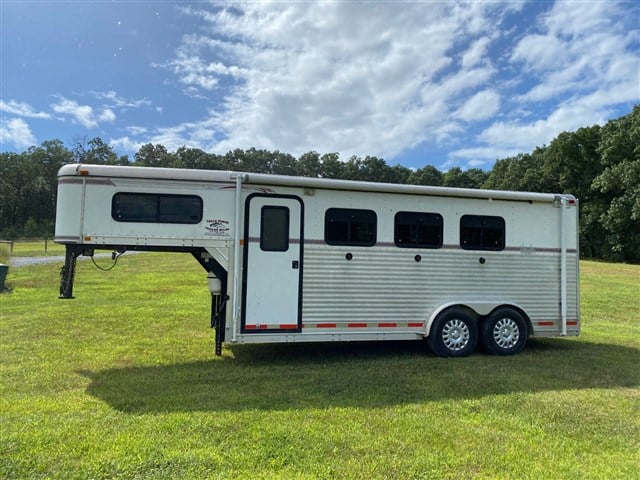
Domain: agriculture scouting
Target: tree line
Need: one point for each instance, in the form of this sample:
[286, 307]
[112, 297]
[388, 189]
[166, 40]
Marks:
[599, 164]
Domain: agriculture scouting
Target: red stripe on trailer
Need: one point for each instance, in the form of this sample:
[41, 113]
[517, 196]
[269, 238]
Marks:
[256, 327]
[288, 326]
[357, 325]
[326, 325]
[545, 324]
[387, 325]
[572, 323]
[415, 324]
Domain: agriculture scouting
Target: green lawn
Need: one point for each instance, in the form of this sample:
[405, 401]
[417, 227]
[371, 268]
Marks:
[122, 383]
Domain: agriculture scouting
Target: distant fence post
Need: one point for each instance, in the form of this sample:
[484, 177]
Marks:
[8, 242]
[45, 244]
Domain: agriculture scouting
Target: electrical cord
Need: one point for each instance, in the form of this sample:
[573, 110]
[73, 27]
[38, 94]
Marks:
[114, 257]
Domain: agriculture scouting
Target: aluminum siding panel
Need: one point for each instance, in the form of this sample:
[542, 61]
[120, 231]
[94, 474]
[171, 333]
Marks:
[386, 284]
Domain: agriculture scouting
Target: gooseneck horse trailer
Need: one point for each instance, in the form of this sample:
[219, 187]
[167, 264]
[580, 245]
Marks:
[291, 259]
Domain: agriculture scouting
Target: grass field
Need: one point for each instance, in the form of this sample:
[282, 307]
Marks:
[122, 383]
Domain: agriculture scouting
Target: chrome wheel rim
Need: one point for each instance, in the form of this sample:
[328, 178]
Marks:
[506, 333]
[456, 334]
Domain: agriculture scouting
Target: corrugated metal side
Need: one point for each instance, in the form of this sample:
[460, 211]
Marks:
[388, 285]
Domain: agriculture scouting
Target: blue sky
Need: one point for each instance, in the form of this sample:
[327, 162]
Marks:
[416, 83]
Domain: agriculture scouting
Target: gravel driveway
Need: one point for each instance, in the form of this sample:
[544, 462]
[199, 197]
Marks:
[25, 261]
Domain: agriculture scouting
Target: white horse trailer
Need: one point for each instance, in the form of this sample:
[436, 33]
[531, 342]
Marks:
[293, 259]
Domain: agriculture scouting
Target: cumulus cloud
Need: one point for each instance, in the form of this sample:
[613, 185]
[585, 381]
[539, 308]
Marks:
[581, 64]
[372, 78]
[16, 132]
[82, 114]
[481, 106]
[359, 78]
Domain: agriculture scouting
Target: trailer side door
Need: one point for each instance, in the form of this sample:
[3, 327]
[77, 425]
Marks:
[272, 275]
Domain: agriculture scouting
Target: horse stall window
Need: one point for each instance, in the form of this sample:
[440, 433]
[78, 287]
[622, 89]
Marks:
[347, 226]
[482, 232]
[418, 230]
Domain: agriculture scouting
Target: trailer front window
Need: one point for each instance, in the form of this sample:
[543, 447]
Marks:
[156, 208]
[482, 232]
[343, 226]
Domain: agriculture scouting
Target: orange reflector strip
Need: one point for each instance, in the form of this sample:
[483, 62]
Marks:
[83, 172]
[87, 239]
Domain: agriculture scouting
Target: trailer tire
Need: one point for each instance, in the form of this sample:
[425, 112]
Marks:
[504, 332]
[454, 333]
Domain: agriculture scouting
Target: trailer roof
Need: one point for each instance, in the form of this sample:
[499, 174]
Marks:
[153, 173]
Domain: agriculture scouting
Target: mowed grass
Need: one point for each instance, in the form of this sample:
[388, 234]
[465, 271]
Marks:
[122, 383]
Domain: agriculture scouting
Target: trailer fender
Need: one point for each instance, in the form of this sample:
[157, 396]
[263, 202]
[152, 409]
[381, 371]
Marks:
[476, 308]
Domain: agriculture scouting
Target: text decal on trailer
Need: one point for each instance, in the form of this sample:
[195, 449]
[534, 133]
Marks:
[217, 228]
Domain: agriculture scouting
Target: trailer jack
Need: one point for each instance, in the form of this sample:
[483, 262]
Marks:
[68, 271]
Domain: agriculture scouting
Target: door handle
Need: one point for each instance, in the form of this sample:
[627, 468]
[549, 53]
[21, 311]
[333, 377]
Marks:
[295, 264]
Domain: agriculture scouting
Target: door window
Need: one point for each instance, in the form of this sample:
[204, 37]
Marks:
[274, 229]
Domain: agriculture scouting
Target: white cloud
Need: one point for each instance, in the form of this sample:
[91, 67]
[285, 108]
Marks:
[116, 101]
[371, 78]
[17, 133]
[476, 52]
[21, 109]
[82, 114]
[135, 130]
[481, 106]
[107, 115]
[359, 78]
[126, 144]
[578, 50]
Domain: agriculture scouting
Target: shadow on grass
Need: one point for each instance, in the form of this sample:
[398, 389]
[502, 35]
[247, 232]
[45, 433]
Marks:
[370, 375]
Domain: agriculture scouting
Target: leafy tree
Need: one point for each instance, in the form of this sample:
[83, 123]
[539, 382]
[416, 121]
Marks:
[309, 165]
[150, 155]
[96, 152]
[619, 183]
[284, 164]
[332, 167]
[427, 175]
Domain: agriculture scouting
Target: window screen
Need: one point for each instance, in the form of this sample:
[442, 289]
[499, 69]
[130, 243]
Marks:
[274, 229]
[481, 232]
[350, 227]
[418, 230]
[156, 208]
